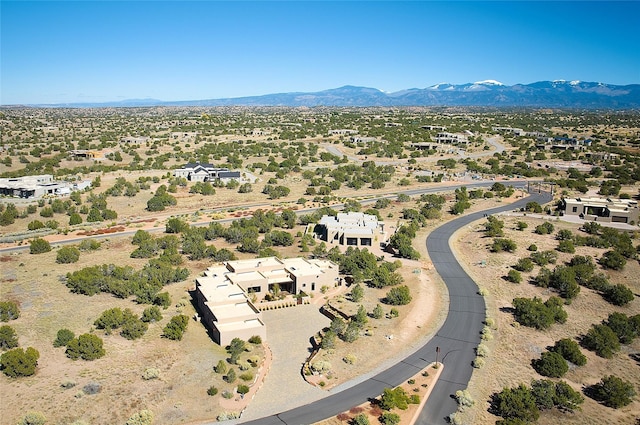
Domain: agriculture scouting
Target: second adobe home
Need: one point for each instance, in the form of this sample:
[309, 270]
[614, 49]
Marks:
[352, 228]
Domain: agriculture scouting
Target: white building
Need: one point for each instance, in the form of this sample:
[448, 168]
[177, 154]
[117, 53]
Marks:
[222, 294]
[353, 228]
[38, 186]
[197, 172]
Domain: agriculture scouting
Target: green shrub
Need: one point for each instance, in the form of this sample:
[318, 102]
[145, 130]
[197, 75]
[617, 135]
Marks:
[63, 337]
[360, 419]
[618, 294]
[247, 376]
[560, 395]
[176, 327]
[242, 389]
[514, 276]
[570, 350]
[9, 311]
[502, 244]
[388, 418]
[613, 392]
[212, 391]
[89, 245]
[551, 364]
[398, 296]
[602, 340]
[68, 255]
[8, 337]
[613, 260]
[517, 405]
[544, 229]
[221, 367]
[542, 258]
[230, 377]
[33, 418]
[537, 314]
[86, 347]
[151, 314]
[566, 246]
[626, 328]
[134, 329]
[394, 398]
[18, 362]
[524, 265]
[39, 246]
[256, 339]
[35, 225]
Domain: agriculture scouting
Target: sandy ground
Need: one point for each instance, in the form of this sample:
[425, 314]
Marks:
[513, 347]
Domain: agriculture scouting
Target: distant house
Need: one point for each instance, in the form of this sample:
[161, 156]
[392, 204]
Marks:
[184, 136]
[451, 138]
[38, 186]
[562, 143]
[198, 172]
[602, 209]
[434, 127]
[342, 131]
[135, 140]
[90, 153]
[353, 228]
[358, 139]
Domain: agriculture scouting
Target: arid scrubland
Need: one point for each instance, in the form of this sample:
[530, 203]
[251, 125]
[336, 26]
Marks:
[295, 165]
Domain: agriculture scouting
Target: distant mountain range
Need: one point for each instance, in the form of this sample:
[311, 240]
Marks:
[488, 93]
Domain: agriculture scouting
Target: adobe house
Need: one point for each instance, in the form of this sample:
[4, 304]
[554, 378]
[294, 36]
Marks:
[222, 294]
[602, 209]
[351, 229]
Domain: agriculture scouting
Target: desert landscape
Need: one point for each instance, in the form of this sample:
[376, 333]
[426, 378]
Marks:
[288, 178]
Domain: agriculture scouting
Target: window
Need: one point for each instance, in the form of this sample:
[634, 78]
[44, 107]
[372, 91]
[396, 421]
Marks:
[574, 209]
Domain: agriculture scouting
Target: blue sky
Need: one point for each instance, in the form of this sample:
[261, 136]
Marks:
[87, 51]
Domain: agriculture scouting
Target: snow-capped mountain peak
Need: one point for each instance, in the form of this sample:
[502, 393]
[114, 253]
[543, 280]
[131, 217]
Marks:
[575, 82]
[437, 86]
[489, 83]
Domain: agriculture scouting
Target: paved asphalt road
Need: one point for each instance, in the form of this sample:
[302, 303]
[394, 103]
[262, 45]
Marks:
[460, 334]
[457, 340]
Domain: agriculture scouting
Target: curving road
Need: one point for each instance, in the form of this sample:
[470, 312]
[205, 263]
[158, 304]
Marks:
[457, 339]
[460, 334]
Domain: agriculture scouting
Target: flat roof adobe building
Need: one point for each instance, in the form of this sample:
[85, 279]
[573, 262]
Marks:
[602, 209]
[353, 228]
[222, 294]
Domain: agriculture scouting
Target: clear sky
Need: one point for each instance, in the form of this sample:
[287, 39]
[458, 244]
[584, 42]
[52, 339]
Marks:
[88, 51]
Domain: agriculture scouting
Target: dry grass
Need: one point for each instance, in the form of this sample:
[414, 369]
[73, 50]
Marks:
[47, 305]
[513, 347]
